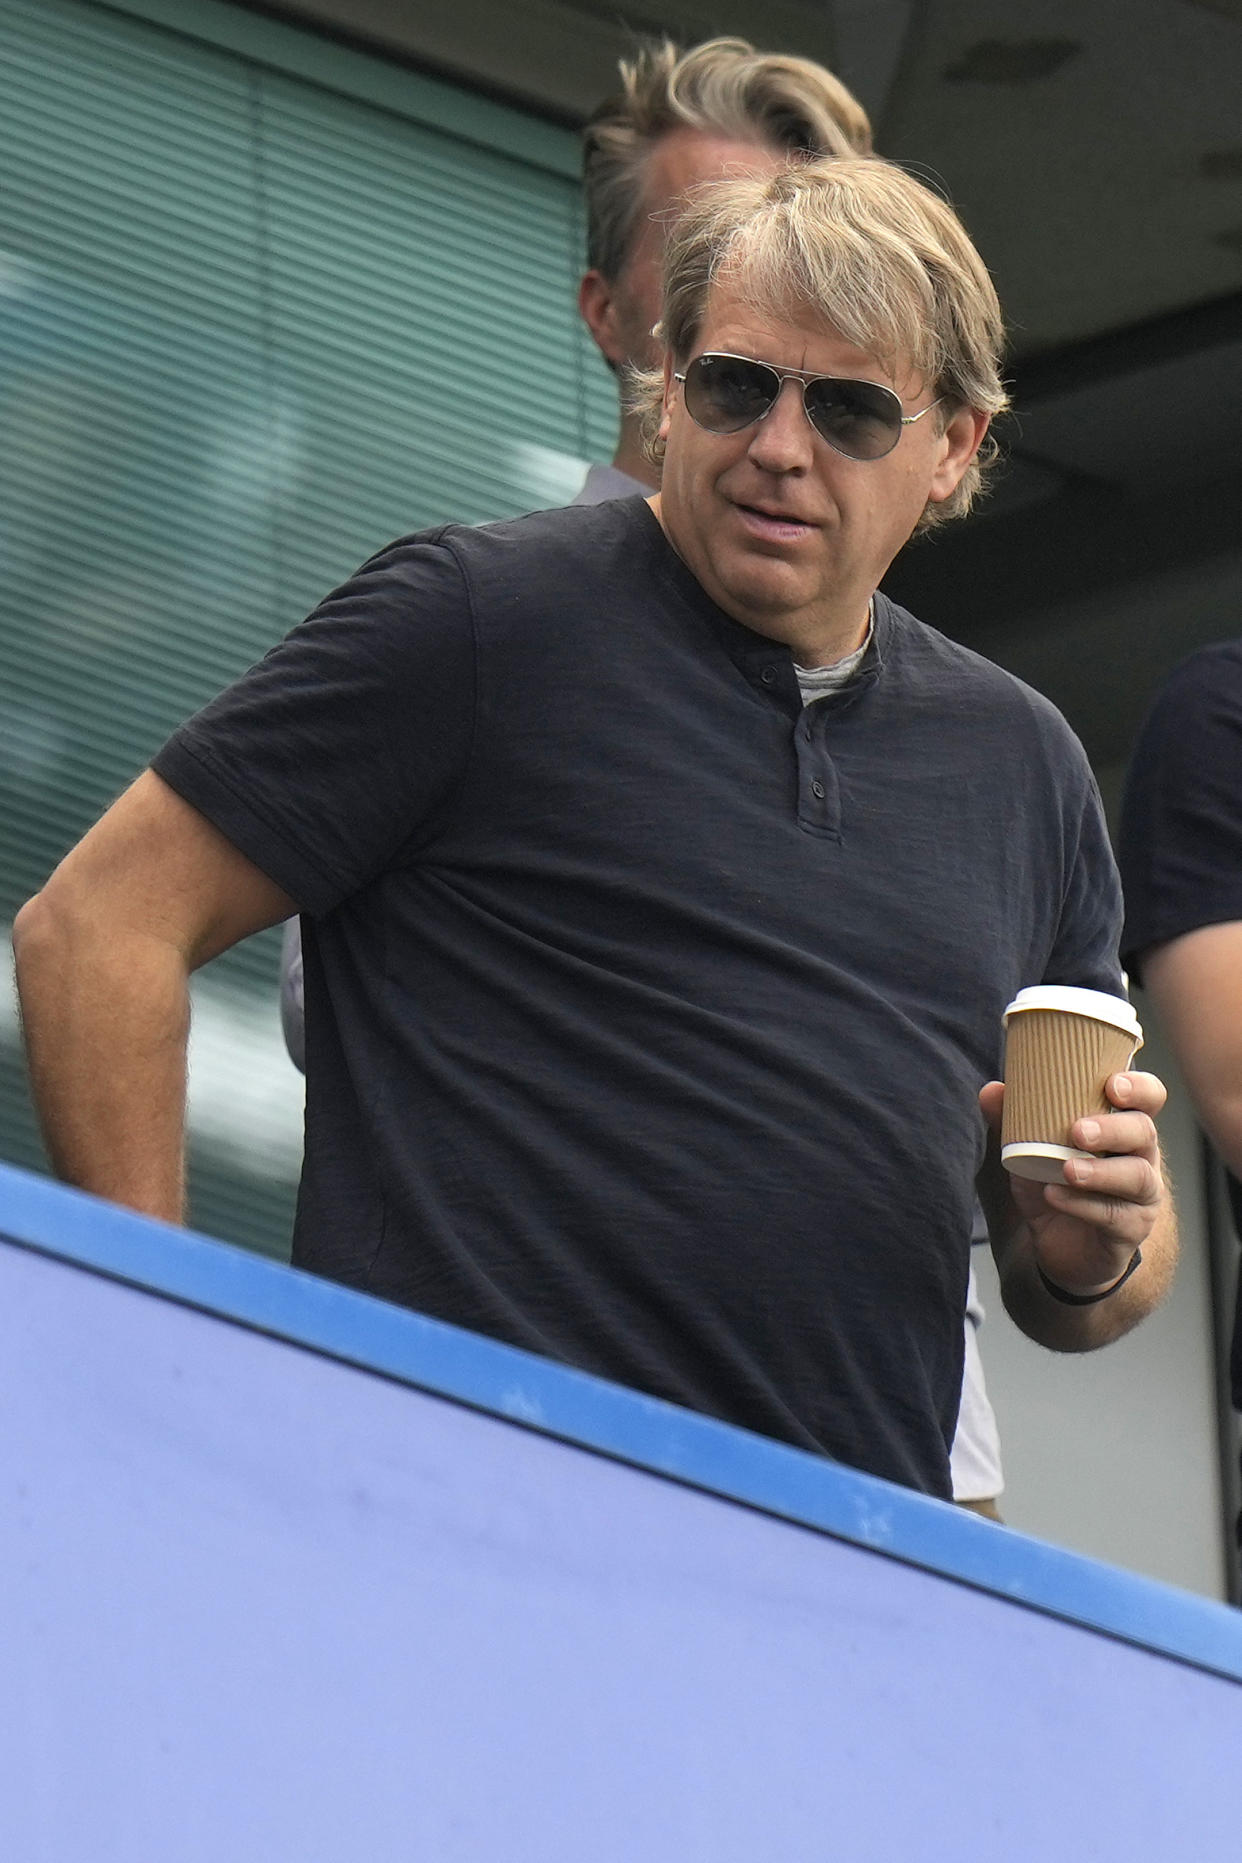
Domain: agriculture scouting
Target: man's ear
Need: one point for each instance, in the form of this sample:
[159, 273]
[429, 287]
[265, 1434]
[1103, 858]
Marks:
[670, 388]
[960, 441]
[598, 308]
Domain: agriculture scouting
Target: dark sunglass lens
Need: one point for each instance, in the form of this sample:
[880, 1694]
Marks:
[726, 393]
[860, 419]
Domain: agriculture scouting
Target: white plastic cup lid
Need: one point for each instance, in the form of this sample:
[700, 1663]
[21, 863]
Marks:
[1094, 1003]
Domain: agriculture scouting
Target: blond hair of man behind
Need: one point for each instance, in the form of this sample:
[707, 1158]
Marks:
[723, 88]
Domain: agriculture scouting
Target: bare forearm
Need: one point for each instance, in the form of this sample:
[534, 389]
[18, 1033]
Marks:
[1067, 1328]
[103, 954]
[1195, 981]
[105, 1021]
[1221, 1119]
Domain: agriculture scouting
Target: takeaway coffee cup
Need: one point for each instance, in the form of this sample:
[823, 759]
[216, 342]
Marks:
[1061, 1045]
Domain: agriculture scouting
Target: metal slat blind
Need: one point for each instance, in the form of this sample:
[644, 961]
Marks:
[249, 330]
[432, 381]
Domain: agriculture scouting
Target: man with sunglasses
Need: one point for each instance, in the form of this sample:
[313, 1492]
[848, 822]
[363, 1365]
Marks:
[681, 119]
[648, 1008]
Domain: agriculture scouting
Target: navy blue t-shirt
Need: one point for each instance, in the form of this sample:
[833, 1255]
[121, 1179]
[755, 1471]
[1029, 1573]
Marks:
[646, 1010]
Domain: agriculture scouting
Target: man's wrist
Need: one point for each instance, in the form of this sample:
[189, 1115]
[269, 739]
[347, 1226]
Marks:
[1068, 1299]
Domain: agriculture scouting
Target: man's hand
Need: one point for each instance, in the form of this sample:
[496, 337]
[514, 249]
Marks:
[1083, 1231]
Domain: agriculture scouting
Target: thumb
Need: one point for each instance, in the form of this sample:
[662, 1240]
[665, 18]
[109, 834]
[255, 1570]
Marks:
[991, 1099]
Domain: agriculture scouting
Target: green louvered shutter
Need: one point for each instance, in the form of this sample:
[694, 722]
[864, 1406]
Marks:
[250, 329]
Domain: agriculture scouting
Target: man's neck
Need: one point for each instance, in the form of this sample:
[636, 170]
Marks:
[818, 637]
[816, 646]
[842, 661]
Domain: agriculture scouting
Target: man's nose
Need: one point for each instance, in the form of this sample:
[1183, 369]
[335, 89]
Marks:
[784, 440]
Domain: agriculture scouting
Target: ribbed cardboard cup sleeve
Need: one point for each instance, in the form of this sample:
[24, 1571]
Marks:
[1056, 1064]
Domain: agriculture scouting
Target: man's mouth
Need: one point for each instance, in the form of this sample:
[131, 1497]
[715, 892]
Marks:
[777, 526]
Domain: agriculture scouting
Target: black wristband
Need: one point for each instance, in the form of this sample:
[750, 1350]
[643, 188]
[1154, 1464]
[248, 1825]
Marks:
[1088, 1300]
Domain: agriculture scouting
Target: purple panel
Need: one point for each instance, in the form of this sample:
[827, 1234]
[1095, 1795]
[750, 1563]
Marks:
[262, 1605]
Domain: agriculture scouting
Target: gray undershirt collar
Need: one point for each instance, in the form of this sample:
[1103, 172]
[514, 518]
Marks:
[814, 682]
[818, 682]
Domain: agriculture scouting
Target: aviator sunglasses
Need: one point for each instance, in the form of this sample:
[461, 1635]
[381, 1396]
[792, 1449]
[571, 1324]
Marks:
[863, 420]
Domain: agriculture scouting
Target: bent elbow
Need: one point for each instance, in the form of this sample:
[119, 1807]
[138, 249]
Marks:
[28, 930]
[44, 932]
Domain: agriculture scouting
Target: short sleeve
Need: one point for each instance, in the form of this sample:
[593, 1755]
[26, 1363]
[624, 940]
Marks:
[334, 757]
[1085, 953]
[1180, 844]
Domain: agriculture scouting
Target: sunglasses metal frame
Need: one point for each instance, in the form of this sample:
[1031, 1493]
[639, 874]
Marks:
[808, 380]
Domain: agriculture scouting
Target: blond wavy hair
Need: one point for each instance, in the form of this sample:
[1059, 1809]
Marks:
[862, 245]
[723, 87]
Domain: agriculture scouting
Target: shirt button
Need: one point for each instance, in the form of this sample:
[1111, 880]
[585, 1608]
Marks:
[817, 790]
[768, 676]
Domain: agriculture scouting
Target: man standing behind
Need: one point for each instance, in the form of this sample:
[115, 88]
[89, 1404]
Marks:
[1181, 866]
[647, 1008]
